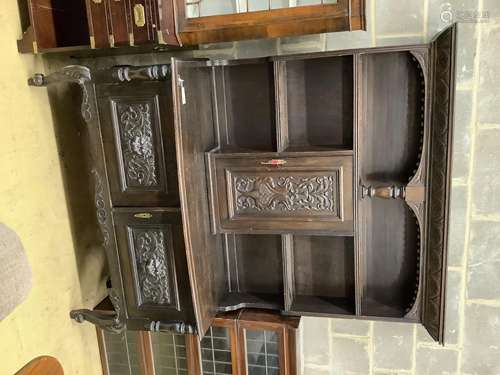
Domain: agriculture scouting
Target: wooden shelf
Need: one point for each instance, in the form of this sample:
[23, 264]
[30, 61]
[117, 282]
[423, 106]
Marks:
[321, 306]
[234, 301]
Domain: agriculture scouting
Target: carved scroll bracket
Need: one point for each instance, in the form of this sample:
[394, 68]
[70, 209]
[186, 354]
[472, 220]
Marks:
[108, 321]
[111, 321]
[74, 74]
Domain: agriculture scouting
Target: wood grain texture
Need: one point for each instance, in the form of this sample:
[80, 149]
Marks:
[118, 22]
[344, 16]
[195, 134]
[42, 366]
[311, 192]
[153, 236]
[98, 25]
[443, 59]
[49, 22]
[138, 137]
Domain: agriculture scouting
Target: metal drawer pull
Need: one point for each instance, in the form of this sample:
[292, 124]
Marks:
[139, 15]
[274, 162]
[143, 215]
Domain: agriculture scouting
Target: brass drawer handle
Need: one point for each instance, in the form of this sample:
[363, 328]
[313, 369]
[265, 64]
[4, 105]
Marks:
[143, 215]
[274, 162]
[139, 15]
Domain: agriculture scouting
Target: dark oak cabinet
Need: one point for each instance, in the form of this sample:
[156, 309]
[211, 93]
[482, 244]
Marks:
[308, 184]
[52, 25]
[262, 193]
[247, 343]
[152, 259]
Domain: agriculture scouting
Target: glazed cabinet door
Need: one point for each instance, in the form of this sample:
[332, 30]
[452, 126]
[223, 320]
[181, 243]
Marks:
[137, 133]
[224, 21]
[153, 264]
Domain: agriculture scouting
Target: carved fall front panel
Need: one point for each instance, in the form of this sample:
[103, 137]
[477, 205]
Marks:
[139, 164]
[284, 193]
[150, 249]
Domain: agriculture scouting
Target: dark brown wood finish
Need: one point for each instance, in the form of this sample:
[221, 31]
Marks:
[321, 275]
[142, 19]
[194, 134]
[98, 24]
[254, 222]
[60, 24]
[245, 85]
[149, 237]
[46, 23]
[139, 144]
[236, 324]
[391, 140]
[316, 110]
[279, 193]
[252, 283]
[167, 33]
[443, 73]
[119, 22]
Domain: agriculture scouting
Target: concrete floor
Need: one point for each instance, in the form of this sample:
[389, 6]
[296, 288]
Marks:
[45, 199]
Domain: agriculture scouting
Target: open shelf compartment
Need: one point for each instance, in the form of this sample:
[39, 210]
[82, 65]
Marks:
[252, 282]
[391, 258]
[391, 134]
[319, 275]
[390, 144]
[316, 109]
[246, 106]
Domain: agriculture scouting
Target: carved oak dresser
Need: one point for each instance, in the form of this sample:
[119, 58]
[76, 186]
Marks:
[309, 184]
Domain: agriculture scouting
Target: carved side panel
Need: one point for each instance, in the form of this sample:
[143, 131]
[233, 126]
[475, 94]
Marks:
[138, 142]
[433, 313]
[285, 193]
[151, 252]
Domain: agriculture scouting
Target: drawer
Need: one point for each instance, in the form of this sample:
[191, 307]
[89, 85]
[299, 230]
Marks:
[273, 193]
[153, 264]
[138, 137]
[98, 24]
[118, 22]
[144, 18]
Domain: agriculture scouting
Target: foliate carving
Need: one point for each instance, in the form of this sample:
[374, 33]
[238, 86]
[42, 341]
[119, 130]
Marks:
[149, 247]
[286, 193]
[100, 204]
[136, 141]
[438, 185]
[72, 73]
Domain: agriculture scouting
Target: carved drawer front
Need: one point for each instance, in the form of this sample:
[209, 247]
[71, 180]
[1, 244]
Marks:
[137, 132]
[274, 193]
[153, 263]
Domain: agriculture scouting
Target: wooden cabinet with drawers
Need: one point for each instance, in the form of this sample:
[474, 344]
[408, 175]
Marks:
[310, 184]
[81, 24]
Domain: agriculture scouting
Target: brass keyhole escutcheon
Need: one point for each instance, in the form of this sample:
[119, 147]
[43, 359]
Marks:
[139, 15]
[143, 215]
